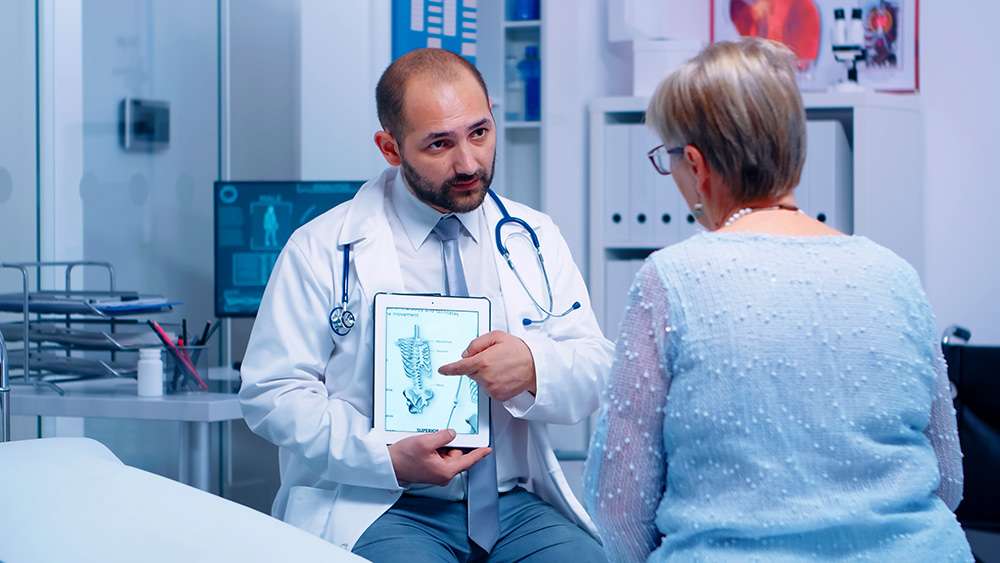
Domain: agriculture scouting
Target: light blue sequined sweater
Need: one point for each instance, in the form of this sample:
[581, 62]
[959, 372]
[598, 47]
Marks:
[777, 399]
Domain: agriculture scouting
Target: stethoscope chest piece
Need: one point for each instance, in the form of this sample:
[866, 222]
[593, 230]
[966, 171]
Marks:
[341, 321]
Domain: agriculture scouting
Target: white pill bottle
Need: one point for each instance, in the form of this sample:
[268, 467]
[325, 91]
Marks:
[150, 374]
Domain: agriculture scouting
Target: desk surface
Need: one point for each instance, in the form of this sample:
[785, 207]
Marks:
[116, 398]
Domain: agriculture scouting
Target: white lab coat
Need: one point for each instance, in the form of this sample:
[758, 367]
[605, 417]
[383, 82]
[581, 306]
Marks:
[311, 393]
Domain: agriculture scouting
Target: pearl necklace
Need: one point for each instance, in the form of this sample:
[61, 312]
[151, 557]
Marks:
[748, 210]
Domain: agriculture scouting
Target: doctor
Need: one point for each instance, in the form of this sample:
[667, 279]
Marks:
[307, 381]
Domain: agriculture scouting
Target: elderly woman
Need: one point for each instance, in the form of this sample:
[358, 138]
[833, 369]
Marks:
[777, 392]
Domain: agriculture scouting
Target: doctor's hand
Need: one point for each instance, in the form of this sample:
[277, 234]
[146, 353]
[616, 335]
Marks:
[425, 459]
[498, 362]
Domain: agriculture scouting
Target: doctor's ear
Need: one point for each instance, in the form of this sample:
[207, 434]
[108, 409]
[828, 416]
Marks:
[389, 148]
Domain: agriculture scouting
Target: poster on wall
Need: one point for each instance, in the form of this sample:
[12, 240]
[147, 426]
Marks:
[447, 24]
[806, 27]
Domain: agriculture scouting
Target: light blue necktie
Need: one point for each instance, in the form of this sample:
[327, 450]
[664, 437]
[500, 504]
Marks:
[481, 494]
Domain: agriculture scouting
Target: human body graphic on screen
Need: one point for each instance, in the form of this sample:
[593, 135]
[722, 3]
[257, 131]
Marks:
[417, 399]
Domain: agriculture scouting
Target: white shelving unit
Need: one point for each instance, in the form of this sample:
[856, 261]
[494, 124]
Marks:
[522, 125]
[519, 167]
[880, 195]
[523, 24]
[543, 164]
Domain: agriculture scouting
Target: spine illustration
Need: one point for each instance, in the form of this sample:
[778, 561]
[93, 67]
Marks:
[416, 354]
[473, 421]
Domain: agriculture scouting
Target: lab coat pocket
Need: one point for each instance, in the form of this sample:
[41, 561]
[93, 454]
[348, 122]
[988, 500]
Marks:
[309, 508]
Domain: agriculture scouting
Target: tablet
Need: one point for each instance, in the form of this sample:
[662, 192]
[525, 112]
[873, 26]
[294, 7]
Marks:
[414, 336]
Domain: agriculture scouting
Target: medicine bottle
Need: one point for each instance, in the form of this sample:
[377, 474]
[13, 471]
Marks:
[150, 374]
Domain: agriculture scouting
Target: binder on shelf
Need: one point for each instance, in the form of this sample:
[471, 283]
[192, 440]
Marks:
[670, 209]
[642, 228]
[619, 275]
[673, 213]
[687, 225]
[617, 183]
[825, 187]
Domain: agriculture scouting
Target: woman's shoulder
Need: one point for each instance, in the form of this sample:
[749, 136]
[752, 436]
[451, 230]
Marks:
[709, 249]
[684, 249]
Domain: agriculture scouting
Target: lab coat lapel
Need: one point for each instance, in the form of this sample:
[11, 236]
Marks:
[367, 230]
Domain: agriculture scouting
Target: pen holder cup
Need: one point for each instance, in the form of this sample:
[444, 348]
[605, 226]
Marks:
[177, 375]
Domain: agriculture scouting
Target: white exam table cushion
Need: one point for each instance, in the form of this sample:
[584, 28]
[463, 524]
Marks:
[71, 499]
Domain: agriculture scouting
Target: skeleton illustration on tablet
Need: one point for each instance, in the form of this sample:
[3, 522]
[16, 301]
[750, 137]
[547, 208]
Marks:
[416, 353]
[473, 420]
[411, 345]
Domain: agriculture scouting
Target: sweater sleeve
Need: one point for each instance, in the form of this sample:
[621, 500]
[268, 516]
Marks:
[626, 469]
[942, 431]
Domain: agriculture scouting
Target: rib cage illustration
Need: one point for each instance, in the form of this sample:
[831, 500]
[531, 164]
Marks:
[417, 366]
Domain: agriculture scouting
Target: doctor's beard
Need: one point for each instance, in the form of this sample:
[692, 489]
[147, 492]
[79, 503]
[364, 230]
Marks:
[442, 196]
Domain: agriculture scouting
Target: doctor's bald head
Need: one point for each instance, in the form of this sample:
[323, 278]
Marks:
[438, 128]
[437, 65]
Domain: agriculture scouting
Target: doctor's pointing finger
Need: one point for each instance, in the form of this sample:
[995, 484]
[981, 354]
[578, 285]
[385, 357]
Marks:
[500, 362]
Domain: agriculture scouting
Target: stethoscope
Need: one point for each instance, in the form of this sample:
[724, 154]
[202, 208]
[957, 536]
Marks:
[342, 320]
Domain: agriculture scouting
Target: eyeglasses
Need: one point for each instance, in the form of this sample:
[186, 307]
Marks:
[660, 157]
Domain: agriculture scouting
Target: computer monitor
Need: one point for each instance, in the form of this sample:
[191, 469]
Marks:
[253, 221]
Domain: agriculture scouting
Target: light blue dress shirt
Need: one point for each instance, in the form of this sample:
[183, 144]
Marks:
[419, 253]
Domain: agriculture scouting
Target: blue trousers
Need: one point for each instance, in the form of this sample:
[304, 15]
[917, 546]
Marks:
[418, 529]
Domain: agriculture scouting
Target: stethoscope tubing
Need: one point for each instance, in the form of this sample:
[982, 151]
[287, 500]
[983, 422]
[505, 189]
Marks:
[342, 320]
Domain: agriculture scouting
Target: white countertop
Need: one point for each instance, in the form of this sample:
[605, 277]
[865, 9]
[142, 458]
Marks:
[117, 398]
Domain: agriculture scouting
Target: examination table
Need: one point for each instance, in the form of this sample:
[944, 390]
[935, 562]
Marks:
[71, 499]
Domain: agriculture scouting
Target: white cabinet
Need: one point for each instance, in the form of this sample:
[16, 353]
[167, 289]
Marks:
[518, 173]
[824, 190]
[862, 176]
[544, 163]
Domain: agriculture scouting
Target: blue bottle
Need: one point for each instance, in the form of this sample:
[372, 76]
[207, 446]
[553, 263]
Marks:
[524, 10]
[530, 68]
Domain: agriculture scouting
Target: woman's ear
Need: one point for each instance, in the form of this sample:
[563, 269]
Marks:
[389, 148]
[700, 170]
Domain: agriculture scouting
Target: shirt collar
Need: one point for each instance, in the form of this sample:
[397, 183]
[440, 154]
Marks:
[419, 219]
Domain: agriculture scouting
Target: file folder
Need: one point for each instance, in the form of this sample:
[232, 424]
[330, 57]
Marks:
[617, 181]
[826, 185]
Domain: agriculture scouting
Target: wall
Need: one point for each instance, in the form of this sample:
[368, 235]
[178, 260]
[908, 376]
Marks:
[262, 127]
[345, 48]
[581, 64]
[261, 46]
[264, 79]
[18, 199]
[151, 213]
[960, 81]
[17, 138]
[148, 213]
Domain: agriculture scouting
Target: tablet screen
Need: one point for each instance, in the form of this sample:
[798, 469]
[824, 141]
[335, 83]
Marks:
[418, 398]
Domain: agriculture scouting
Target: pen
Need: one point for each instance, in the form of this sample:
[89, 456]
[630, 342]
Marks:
[179, 354]
[211, 331]
[204, 334]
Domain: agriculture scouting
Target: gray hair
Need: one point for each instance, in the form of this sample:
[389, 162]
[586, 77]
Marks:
[738, 103]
